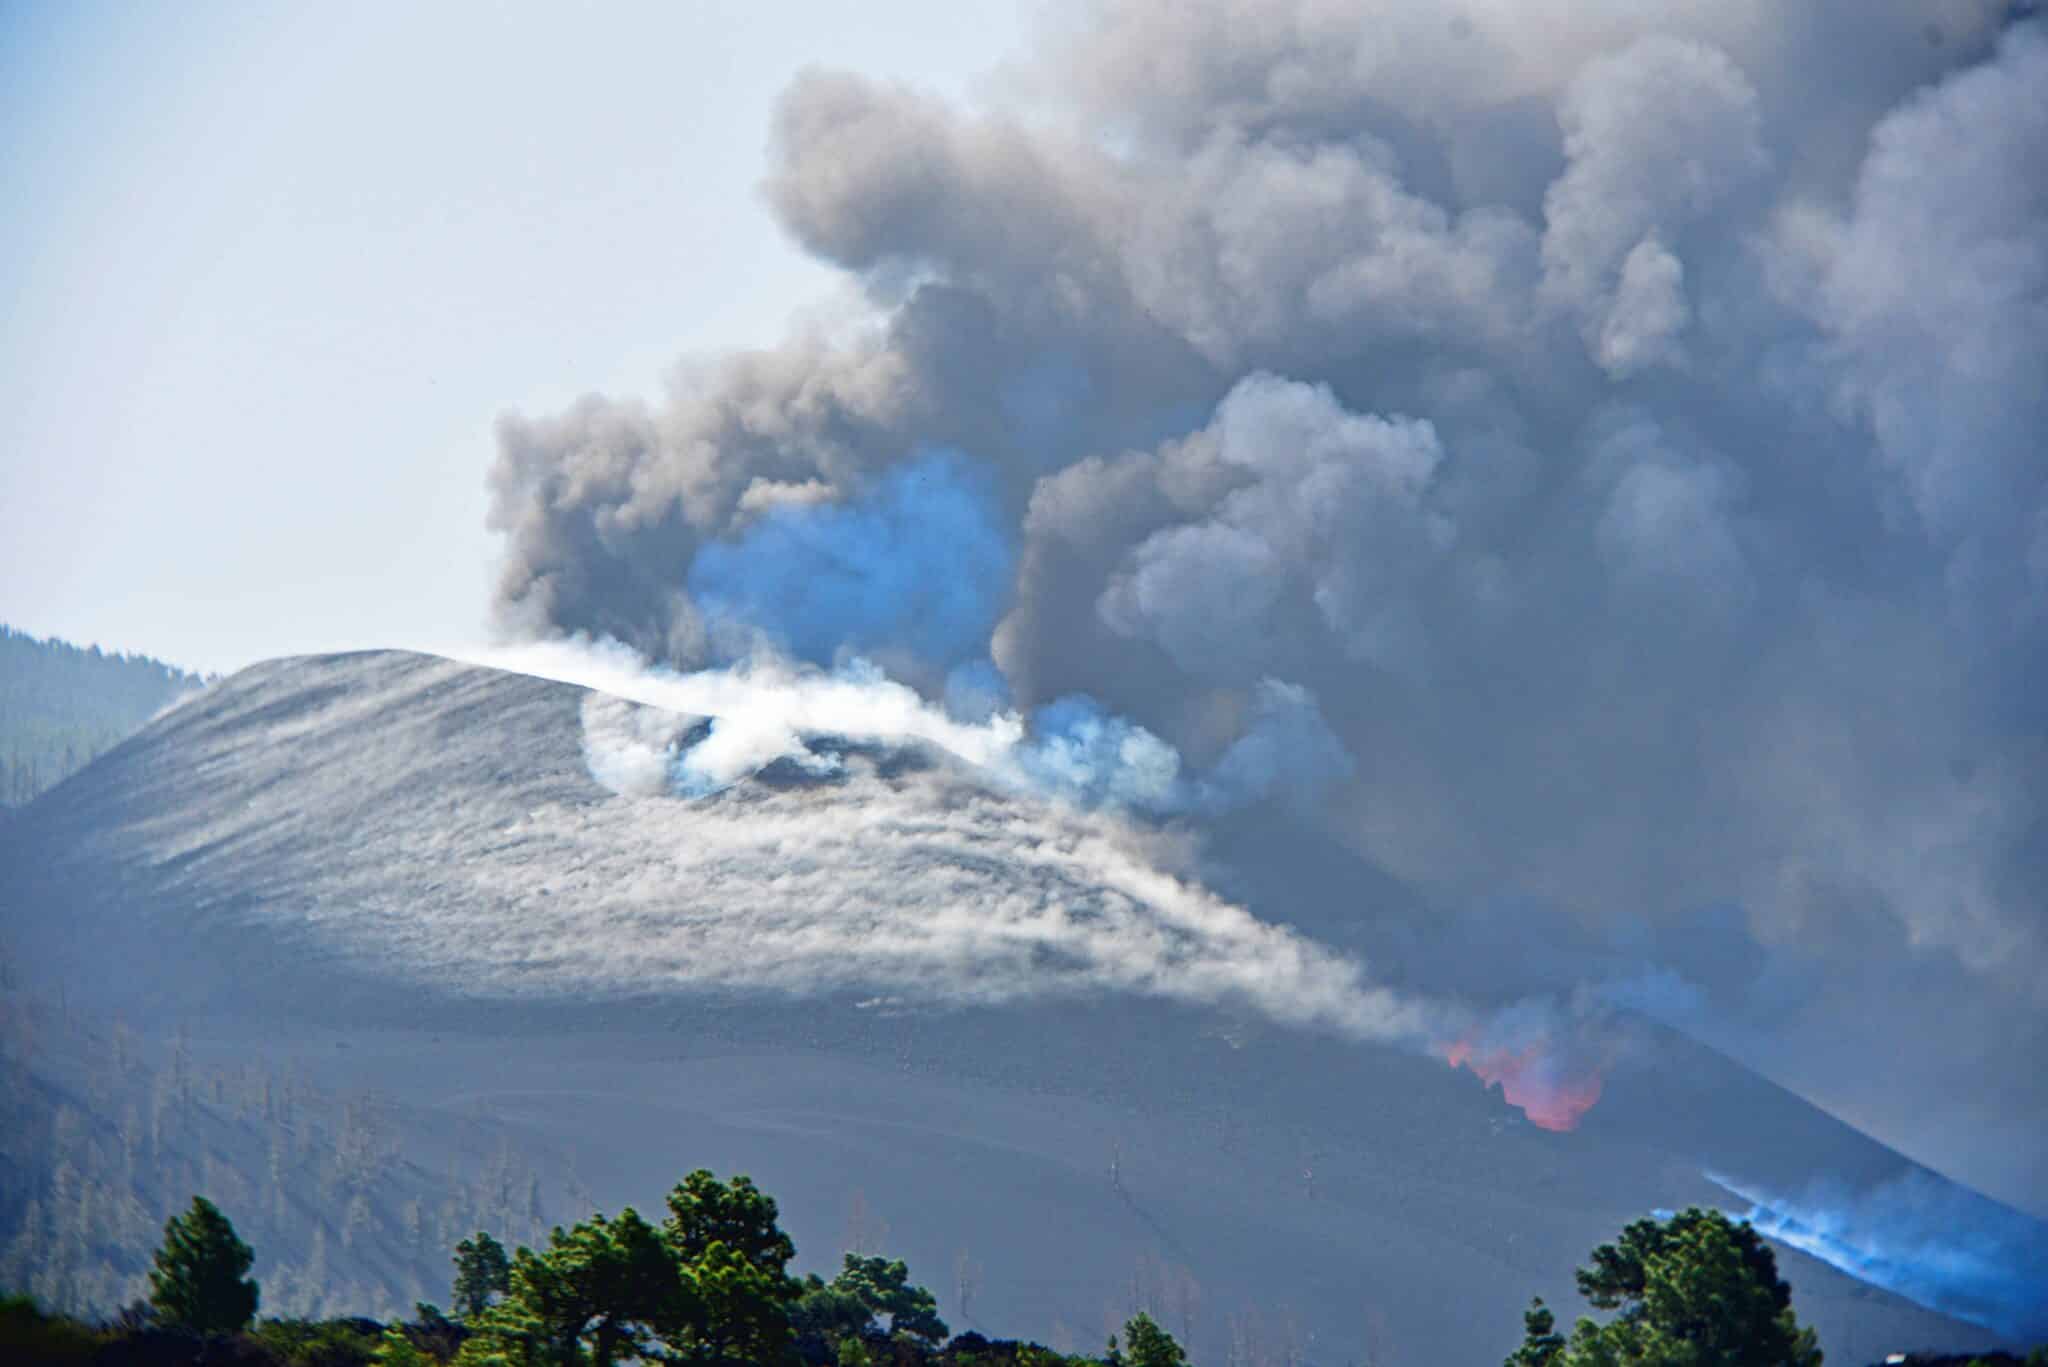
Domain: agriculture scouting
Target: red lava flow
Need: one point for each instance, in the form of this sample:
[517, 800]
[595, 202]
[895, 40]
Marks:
[1552, 1097]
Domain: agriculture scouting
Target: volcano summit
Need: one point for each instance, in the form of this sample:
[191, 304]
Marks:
[1025, 1034]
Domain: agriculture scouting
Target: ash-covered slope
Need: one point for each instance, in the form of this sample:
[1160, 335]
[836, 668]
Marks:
[412, 822]
[895, 990]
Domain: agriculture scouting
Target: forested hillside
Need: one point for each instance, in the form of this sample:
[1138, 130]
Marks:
[105, 1132]
[61, 704]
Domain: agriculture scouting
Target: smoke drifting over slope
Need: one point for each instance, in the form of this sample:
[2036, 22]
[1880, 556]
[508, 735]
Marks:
[1942, 1246]
[1034, 899]
[1612, 432]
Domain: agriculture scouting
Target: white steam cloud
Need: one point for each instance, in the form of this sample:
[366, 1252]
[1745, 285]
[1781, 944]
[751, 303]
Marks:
[715, 727]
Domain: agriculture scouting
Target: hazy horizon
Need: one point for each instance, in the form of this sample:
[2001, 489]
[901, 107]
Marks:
[273, 275]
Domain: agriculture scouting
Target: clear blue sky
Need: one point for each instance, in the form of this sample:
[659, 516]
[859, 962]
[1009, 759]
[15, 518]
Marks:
[269, 272]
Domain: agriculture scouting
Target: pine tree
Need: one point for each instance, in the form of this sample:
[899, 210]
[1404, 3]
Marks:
[396, 1350]
[703, 1211]
[1147, 1345]
[1542, 1345]
[481, 1268]
[883, 1286]
[1697, 1287]
[200, 1279]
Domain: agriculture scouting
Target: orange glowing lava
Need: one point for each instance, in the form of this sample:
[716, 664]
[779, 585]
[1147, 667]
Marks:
[1532, 1080]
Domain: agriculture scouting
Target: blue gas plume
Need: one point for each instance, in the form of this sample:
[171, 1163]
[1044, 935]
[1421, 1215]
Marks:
[918, 564]
[1092, 756]
[1939, 1245]
[976, 691]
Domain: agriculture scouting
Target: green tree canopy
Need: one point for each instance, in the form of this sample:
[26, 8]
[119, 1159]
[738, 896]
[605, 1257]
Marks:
[703, 1211]
[394, 1349]
[481, 1269]
[1147, 1345]
[200, 1279]
[1542, 1345]
[884, 1287]
[829, 1312]
[614, 1289]
[607, 1286]
[743, 1315]
[1697, 1290]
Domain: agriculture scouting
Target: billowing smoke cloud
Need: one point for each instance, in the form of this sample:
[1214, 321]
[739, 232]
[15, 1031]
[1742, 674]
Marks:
[1937, 1244]
[1600, 442]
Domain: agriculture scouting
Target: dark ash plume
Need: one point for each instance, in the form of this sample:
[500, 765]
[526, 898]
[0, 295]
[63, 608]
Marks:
[1617, 427]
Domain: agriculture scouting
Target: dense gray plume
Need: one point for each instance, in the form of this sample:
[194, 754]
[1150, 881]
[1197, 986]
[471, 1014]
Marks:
[1622, 422]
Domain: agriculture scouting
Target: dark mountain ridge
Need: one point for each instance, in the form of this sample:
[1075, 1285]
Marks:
[61, 705]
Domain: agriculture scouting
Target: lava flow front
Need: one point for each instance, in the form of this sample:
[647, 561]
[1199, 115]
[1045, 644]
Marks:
[1552, 1094]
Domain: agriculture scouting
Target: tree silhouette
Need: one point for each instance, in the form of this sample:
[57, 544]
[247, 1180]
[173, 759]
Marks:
[200, 1279]
[1697, 1288]
[608, 1286]
[883, 1286]
[703, 1211]
[481, 1268]
[1542, 1345]
[1147, 1345]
